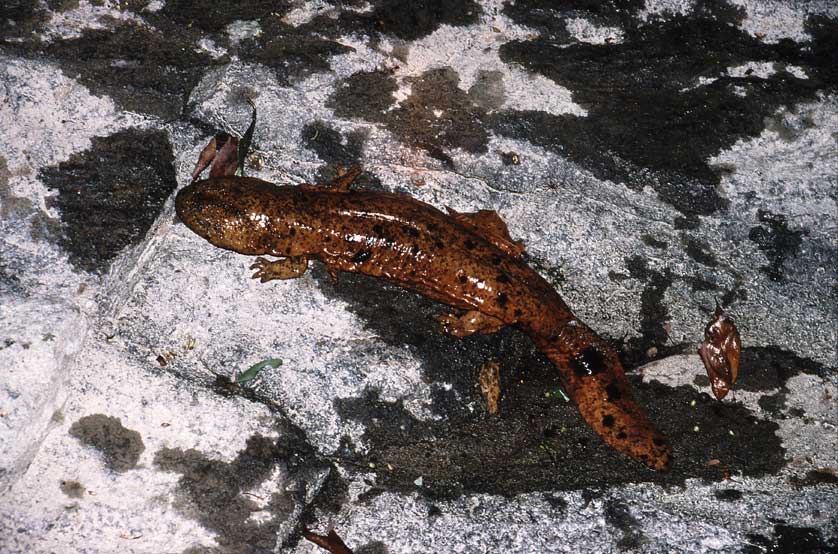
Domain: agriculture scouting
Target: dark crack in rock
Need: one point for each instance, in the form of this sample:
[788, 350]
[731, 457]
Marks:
[674, 124]
[215, 492]
[777, 241]
[109, 196]
[120, 447]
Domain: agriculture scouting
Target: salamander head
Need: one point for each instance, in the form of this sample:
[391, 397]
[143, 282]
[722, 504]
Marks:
[228, 212]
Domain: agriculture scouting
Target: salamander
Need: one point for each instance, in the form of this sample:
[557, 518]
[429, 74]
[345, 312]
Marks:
[465, 260]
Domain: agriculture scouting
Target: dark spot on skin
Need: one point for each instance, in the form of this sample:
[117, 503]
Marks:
[361, 256]
[518, 312]
[777, 241]
[503, 299]
[622, 435]
[469, 244]
[414, 249]
[288, 251]
[496, 260]
[120, 447]
[502, 278]
[292, 232]
[378, 229]
[659, 441]
[613, 392]
[439, 244]
[109, 196]
[588, 362]
[432, 226]
[608, 420]
[462, 278]
[411, 231]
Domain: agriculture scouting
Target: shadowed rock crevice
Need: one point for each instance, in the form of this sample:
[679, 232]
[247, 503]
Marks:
[109, 195]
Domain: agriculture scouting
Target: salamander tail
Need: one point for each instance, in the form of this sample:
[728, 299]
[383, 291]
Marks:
[595, 380]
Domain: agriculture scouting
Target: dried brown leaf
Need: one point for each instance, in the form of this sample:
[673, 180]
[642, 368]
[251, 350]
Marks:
[720, 353]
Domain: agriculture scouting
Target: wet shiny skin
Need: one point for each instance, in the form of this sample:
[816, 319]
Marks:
[462, 262]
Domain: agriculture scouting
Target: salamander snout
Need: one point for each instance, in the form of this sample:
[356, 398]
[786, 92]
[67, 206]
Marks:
[230, 212]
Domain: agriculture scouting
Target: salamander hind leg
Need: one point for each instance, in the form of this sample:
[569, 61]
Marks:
[285, 268]
[469, 323]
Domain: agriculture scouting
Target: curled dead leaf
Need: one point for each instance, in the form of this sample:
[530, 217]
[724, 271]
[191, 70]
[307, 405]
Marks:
[720, 353]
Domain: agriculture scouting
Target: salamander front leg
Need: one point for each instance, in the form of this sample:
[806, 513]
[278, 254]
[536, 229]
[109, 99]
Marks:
[469, 323]
[285, 268]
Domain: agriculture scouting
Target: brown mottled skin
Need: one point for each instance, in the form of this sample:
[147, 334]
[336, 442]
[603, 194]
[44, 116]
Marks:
[457, 259]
